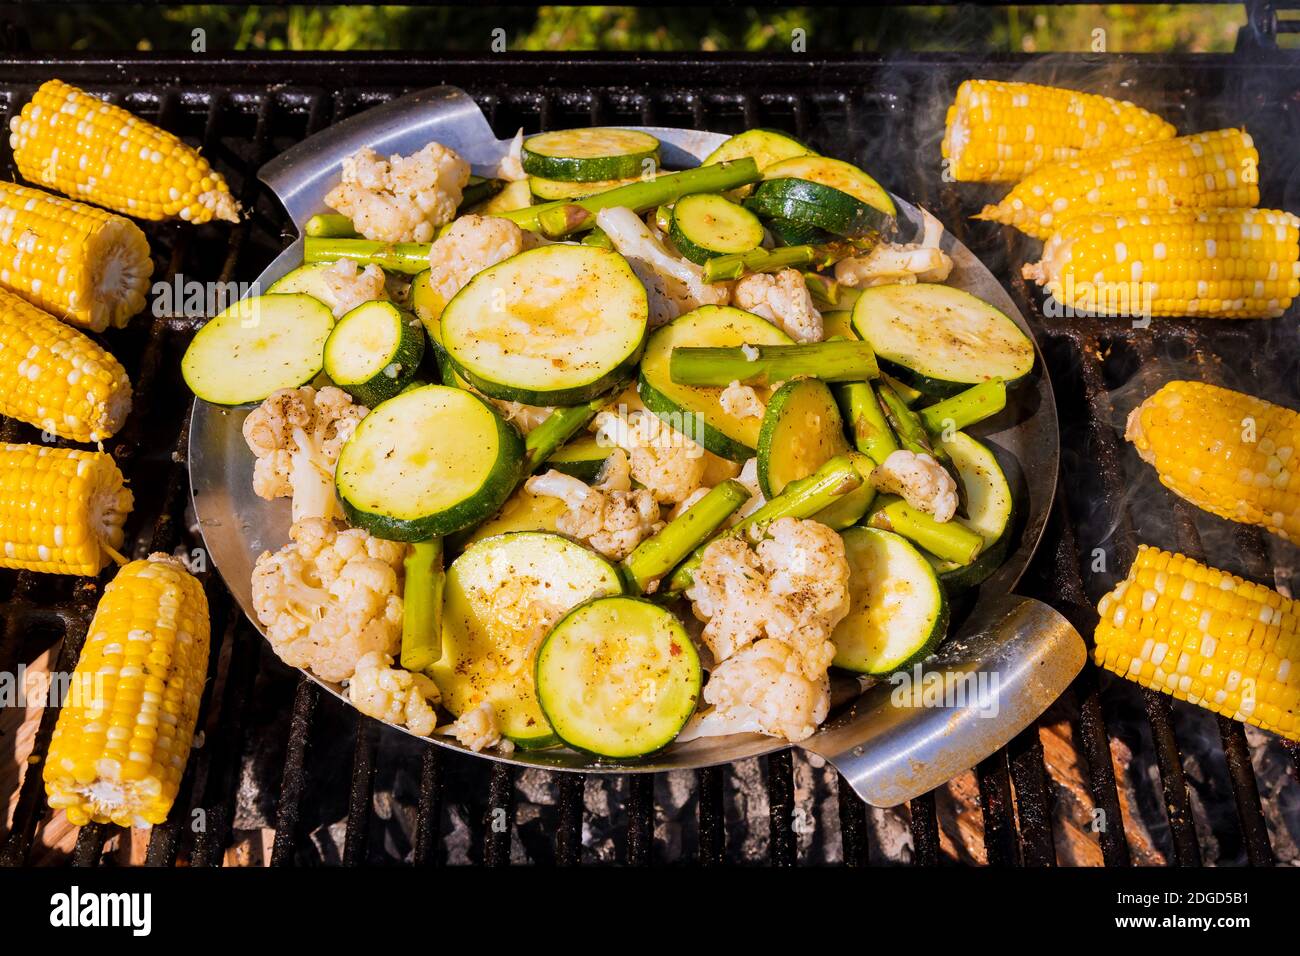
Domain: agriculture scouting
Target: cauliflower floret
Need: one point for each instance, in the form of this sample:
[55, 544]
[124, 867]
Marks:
[749, 478]
[477, 729]
[398, 696]
[674, 285]
[511, 167]
[470, 245]
[901, 263]
[671, 465]
[350, 287]
[297, 434]
[741, 401]
[921, 481]
[611, 522]
[784, 300]
[524, 417]
[402, 198]
[763, 690]
[330, 597]
[729, 593]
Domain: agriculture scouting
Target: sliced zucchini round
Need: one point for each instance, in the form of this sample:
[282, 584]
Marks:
[257, 346]
[898, 612]
[790, 233]
[766, 146]
[816, 206]
[501, 597]
[990, 510]
[706, 225]
[428, 305]
[523, 511]
[697, 411]
[556, 325]
[308, 279]
[552, 189]
[939, 339]
[801, 431]
[838, 175]
[374, 352]
[584, 458]
[515, 195]
[589, 155]
[429, 462]
[618, 677]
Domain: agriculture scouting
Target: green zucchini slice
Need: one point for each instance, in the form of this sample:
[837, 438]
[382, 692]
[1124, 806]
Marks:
[584, 458]
[589, 155]
[706, 225]
[941, 340]
[791, 233]
[898, 611]
[556, 325]
[429, 462]
[308, 279]
[801, 431]
[523, 511]
[618, 677]
[835, 174]
[990, 510]
[515, 195]
[374, 352]
[697, 410]
[257, 346]
[766, 146]
[551, 189]
[816, 206]
[501, 597]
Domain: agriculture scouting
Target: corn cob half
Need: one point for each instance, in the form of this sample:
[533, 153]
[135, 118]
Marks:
[1218, 263]
[1205, 636]
[1231, 454]
[61, 510]
[124, 733]
[85, 148]
[997, 132]
[1219, 169]
[81, 264]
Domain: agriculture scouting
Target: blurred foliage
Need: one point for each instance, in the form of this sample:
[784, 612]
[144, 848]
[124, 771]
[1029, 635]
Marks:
[1126, 28]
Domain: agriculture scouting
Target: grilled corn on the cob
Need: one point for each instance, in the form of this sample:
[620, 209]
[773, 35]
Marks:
[81, 264]
[1206, 637]
[1231, 454]
[68, 140]
[998, 131]
[1218, 263]
[124, 734]
[1208, 170]
[55, 378]
[61, 510]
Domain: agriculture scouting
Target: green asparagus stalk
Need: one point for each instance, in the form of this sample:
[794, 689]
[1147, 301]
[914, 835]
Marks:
[560, 219]
[913, 436]
[802, 498]
[950, 540]
[909, 395]
[478, 190]
[422, 605]
[828, 294]
[965, 408]
[763, 364]
[558, 427]
[850, 508]
[664, 219]
[598, 238]
[737, 264]
[410, 258]
[656, 556]
[871, 432]
[330, 226]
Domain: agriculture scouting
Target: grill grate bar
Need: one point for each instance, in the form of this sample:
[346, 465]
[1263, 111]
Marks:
[500, 816]
[711, 816]
[782, 840]
[925, 830]
[294, 778]
[568, 835]
[1000, 843]
[429, 816]
[854, 832]
[356, 838]
[1033, 809]
[640, 818]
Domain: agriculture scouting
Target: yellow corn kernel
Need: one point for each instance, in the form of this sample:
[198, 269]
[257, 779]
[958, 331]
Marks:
[124, 734]
[68, 140]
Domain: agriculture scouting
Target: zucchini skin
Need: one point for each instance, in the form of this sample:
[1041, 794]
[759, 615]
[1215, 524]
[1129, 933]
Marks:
[812, 204]
[407, 354]
[578, 169]
[792, 392]
[710, 437]
[577, 395]
[925, 384]
[790, 233]
[697, 252]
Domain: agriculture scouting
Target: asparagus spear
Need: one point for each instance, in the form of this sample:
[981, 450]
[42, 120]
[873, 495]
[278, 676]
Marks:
[422, 605]
[559, 426]
[828, 294]
[965, 408]
[479, 190]
[409, 258]
[871, 432]
[849, 509]
[561, 219]
[737, 264]
[800, 499]
[909, 395]
[762, 364]
[950, 540]
[913, 436]
[330, 226]
[597, 237]
[656, 556]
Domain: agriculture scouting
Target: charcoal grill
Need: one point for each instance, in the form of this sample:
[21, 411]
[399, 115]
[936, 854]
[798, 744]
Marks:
[333, 786]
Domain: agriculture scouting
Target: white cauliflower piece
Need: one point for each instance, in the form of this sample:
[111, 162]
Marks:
[688, 502]
[784, 300]
[402, 198]
[674, 285]
[616, 473]
[297, 434]
[389, 693]
[511, 167]
[478, 730]
[749, 478]
[470, 245]
[611, 522]
[671, 465]
[350, 287]
[729, 593]
[741, 401]
[921, 481]
[524, 417]
[330, 597]
[901, 263]
[762, 690]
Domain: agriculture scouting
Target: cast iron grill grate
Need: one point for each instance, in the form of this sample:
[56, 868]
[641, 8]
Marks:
[272, 748]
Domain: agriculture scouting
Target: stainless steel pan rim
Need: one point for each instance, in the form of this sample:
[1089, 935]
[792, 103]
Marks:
[237, 526]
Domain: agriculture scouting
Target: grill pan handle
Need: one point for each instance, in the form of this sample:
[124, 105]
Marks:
[303, 174]
[906, 736]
